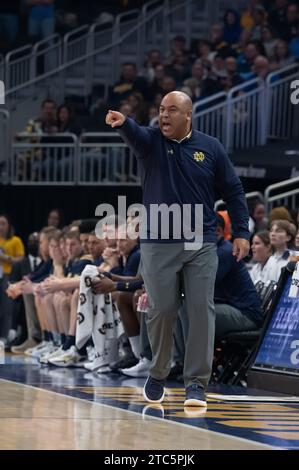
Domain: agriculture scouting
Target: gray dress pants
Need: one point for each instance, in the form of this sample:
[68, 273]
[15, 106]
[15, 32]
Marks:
[162, 264]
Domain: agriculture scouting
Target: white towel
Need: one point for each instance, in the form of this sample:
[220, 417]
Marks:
[97, 315]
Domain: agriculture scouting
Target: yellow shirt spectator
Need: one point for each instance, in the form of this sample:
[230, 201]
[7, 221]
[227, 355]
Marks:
[12, 246]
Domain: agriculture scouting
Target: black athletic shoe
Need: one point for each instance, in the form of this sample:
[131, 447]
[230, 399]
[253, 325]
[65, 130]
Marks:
[125, 363]
[195, 396]
[153, 390]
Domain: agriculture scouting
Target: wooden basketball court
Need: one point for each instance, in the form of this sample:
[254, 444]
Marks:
[47, 408]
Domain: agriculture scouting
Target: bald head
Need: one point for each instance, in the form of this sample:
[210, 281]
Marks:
[175, 115]
[179, 98]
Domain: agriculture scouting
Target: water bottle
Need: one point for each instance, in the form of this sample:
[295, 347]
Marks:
[2, 352]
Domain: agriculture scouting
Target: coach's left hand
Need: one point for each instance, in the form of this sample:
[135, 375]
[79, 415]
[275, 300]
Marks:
[240, 248]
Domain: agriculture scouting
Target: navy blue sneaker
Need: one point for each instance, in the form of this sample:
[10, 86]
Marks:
[153, 390]
[195, 396]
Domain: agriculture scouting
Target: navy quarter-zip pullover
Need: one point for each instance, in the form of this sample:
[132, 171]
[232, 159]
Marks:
[190, 172]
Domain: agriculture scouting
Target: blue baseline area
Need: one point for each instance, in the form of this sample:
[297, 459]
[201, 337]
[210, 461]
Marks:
[271, 423]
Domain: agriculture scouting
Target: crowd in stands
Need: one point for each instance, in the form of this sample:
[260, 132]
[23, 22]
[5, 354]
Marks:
[71, 298]
[246, 44]
[23, 21]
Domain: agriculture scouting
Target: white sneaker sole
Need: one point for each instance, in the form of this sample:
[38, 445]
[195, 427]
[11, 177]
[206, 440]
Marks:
[128, 373]
[152, 401]
[194, 402]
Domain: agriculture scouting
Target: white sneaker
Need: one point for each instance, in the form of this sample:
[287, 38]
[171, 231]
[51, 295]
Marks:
[48, 348]
[44, 359]
[30, 351]
[140, 370]
[69, 358]
[96, 363]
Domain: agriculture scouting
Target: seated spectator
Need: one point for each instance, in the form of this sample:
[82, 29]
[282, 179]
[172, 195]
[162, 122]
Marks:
[47, 305]
[30, 288]
[65, 120]
[11, 251]
[261, 253]
[47, 120]
[282, 56]
[282, 236]
[85, 228]
[129, 82]
[261, 67]
[55, 218]
[247, 17]
[218, 44]
[139, 110]
[177, 46]
[195, 82]
[218, 68]
[232, 28]
[27, 265]
[125, 285]
[156, 84]
[233, 76]
[168, 84]
[257, 219]
[154, 58]
[259, 18]
[204, 52]
[199, 85]
[246, 60]
[269, 41]
[236, 309]
[179, 68]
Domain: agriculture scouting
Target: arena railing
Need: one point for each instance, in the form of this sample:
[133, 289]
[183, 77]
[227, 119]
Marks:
[44, 159]
[140, 29]
[28, 62]
[285, 193]
[279, 103]
[103, 158]
[65, 159]
[210, 114]
[237, 118]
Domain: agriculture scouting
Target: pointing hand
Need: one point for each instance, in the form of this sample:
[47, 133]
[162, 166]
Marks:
[114, 118]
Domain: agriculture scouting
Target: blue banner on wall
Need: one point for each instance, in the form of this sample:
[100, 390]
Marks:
[279, 349]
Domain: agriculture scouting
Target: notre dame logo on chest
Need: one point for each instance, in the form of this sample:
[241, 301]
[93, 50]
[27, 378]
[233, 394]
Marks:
[199, 156]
